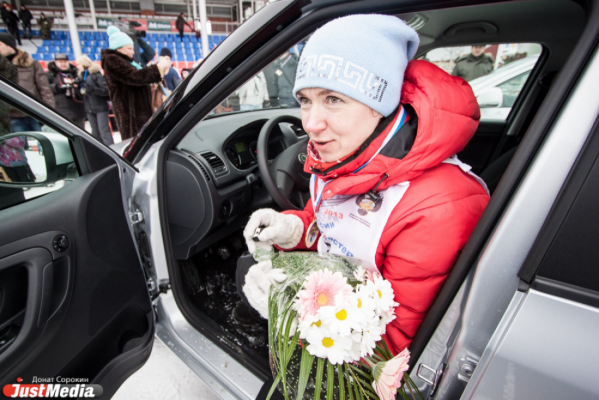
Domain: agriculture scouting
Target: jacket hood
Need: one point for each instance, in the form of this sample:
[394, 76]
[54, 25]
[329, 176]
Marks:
[22, 59]
[443, 117]
[54, 69]
[94, 69]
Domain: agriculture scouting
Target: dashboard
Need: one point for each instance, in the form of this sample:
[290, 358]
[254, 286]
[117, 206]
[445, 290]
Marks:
[212, 176]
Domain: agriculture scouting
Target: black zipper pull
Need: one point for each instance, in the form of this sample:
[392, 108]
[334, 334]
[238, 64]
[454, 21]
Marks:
[373, 193]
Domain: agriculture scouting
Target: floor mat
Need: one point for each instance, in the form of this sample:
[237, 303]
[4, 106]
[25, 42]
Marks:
[210, 283]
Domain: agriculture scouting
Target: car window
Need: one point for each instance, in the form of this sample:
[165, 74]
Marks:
[511, 89]
[497, 73]
[34, 158]
[270, 88]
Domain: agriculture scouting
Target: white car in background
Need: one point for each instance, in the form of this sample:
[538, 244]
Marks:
[497, 91]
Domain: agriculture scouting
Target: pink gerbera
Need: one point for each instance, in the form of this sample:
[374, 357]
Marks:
[320, 289]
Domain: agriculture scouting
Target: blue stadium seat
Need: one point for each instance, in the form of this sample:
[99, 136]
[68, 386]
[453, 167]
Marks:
[89, 36]
[48, 56]
[185, 39]
[47, 42]
[98, 36]
[37, 57]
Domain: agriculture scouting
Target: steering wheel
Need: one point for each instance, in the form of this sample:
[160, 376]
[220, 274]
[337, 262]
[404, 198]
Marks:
[284, 177]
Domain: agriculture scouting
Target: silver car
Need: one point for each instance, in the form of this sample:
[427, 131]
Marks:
[144, 242]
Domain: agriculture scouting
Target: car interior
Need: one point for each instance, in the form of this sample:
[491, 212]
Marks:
[214, 180]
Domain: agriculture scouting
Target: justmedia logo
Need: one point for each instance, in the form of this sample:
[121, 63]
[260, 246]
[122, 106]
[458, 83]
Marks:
[59, 387]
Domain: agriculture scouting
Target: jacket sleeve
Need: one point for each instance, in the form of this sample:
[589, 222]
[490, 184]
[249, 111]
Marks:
[176, 78]
[307, 216]
[148, 52]
[8, 70]
[43, 87]
[420, 250]
[54, 82]
[121, 71]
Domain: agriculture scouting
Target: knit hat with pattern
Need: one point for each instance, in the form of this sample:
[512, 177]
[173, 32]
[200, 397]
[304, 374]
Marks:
[361, 56]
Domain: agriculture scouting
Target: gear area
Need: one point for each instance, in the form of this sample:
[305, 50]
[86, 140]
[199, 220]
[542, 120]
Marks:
[210, 284]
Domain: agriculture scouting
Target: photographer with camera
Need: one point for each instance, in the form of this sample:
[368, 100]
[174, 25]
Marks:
[65, 85]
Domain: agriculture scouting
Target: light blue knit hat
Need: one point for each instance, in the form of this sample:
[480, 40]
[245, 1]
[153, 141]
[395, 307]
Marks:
[361, 56]
[116, 38]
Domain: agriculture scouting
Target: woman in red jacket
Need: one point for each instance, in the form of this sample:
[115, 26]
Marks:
[386, 185]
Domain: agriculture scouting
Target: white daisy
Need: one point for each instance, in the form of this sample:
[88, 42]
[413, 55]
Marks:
[383, 294]
[326, 344]
[385, 318]
[343, 316]
[370, 335]
[310, 323]
[364, 300]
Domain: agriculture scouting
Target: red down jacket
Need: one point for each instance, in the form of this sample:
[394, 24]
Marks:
[431, 224]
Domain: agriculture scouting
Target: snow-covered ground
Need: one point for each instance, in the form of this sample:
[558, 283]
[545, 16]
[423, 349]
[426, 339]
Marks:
[166, 377]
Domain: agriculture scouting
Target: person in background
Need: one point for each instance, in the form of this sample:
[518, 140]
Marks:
[25, 16]
[129, 83]
[31, 77]
[144, 53]
[96, 97]
[62, 77]
[284, 78]
[11, 20]
[171, 76]
[185, 72]
[253, 95]
[474, 65]
[180, 25]
[45, 26]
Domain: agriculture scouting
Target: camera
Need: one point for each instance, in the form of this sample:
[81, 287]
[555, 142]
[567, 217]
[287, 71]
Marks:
[129, 28]
[68, 89]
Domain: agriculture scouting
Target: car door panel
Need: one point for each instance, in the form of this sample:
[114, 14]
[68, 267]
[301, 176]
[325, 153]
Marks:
[86, 306]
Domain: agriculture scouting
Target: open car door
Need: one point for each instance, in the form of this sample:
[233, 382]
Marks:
[74, 305]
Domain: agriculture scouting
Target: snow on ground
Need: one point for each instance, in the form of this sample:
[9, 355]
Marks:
[164, 376]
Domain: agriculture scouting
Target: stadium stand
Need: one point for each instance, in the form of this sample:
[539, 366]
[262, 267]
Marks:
[185, 52]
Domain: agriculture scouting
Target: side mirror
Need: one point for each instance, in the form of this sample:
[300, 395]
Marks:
[489, 98]
[30, 159]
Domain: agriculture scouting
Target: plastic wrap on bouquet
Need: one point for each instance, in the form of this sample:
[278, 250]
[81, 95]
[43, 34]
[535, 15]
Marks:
[326, 322]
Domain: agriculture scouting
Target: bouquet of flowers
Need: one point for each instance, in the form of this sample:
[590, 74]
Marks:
[326, 322]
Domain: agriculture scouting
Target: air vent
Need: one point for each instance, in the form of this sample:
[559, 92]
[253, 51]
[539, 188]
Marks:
[299, 132]
[199, 164]
[217, 165]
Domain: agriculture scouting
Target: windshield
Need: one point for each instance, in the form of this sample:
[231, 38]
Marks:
[270, 88]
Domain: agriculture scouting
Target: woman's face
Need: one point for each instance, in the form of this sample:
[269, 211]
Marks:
[127, 50]
[337, 124]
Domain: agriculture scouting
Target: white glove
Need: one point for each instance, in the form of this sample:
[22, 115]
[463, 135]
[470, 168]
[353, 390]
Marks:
[259, 279]
[284, 230]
